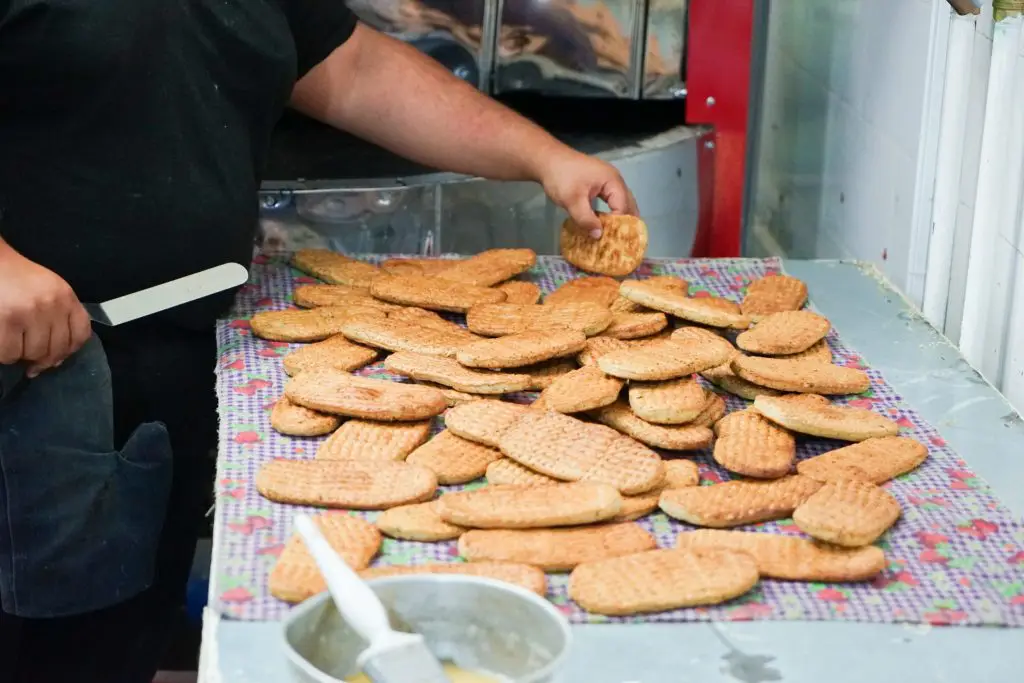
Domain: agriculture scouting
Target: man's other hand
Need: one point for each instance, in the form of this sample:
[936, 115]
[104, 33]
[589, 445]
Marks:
[41, 319]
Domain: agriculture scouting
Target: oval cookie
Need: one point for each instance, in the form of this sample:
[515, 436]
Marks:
[339, 393]
[662, 580]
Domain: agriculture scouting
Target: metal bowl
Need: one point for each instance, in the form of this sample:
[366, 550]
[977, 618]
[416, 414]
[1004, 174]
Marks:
[477, 623]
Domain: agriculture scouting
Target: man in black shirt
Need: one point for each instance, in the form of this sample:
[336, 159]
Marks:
[133, 134]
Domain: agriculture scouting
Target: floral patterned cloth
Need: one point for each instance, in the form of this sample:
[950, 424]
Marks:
[955, 557]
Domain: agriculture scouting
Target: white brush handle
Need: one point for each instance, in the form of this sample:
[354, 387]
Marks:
[355, 600]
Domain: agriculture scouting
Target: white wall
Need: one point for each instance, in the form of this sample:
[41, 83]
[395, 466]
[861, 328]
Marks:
[892, 131]
[840, 165]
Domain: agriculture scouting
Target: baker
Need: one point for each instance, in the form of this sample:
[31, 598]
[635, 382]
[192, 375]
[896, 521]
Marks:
[133, 134]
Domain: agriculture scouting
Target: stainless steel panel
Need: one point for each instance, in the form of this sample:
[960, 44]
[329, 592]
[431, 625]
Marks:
[454, 32]
[444, 213]
[665, 43]
[580, 48]
[358, 219]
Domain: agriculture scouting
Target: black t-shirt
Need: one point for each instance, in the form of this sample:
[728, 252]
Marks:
[133, 132]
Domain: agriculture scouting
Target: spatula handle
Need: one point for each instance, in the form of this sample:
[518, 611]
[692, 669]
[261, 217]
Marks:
[355, 600]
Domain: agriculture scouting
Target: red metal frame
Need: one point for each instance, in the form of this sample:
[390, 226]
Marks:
[720, 37]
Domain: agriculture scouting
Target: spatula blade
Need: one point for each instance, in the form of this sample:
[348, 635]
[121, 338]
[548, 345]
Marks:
[168, 295]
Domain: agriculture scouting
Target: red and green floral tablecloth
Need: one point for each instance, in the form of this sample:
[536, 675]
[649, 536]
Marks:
[955, 557]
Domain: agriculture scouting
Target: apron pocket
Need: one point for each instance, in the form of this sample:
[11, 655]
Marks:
[82, 528]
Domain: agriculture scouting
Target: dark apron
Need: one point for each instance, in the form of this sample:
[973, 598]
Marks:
[79, 520]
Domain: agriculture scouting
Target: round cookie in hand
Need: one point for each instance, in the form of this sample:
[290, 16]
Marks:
[618, 251]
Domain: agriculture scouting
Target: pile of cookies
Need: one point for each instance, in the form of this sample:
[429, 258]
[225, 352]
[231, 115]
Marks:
[617, 365]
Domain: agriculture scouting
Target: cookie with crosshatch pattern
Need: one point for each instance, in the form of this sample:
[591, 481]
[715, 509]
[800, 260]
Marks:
[662, 580]
[555, 550]
[619, 251]
[296, 576]
[848, 513]
[569, 449]
[530, 507]
[790, 558]
[295, 420]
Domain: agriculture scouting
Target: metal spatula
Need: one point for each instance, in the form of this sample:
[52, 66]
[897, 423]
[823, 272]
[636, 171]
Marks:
[392, 657]
[168, 295]
[146, 302]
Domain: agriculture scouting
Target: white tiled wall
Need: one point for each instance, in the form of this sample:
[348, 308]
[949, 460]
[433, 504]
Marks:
[845, 98]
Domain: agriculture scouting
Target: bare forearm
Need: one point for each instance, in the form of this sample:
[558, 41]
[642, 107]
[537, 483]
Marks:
[6, 249]
[385, 91]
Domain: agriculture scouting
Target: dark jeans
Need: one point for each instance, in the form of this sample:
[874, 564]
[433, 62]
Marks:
[98, 522]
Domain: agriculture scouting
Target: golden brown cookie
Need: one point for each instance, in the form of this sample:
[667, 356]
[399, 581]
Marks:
[316, 296]
[580, 390]
[483, 421]
[334, 268]
[820, 353]
[662, 580]
[524, 348]
[393, 334]
[417, 266]
[847, 513]
[490, 267]
[510, 473]
[694, 333]
[339, 393]
[681, 473]
[598, 289]
[663, 360]
[825, 419]
[417, 522]
[711, 311]
[453, 459]
[530, 507]
[336, 353]
[520, 292]
[669, 282]
[295, 420]
[750, 445]
[296, 576]
[724, 378]
[714, 410]
[496, 320]
[308, 325]
[433, 293]
[873, 460]
[801, 376]
[619, 250]
[599, 346]
[736, 503]
[451, 373]
[368, 440]
[618, 416]
[783, 334]
[789, 558]
[545, 374]
[354, 484]
[673, 402]
[773, 294]
[451, 396]
[424, 318]
[565, 448]
[636, 325]
[678, 474]
[555, 550]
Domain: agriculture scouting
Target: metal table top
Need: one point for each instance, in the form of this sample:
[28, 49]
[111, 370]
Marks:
[935, 379]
